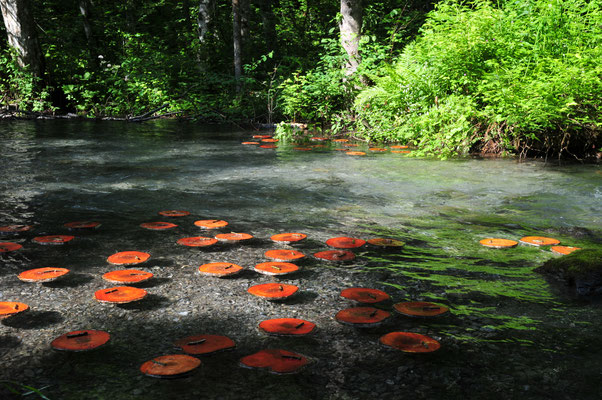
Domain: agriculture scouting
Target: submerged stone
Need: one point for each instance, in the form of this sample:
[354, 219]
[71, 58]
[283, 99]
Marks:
[581, 270]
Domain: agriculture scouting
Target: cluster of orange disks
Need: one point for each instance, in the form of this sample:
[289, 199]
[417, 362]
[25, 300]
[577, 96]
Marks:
[497, 243]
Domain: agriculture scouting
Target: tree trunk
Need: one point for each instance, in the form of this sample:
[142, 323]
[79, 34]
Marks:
[237, 41]
[351, 32]
[245, 12]
[22, 35]
[204, 19]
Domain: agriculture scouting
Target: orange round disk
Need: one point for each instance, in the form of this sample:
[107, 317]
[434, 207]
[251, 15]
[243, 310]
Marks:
[82, 225]
[128, 258]
[174, 213]
[197, 241]
[356, 153]
[401, 151]
[120, 294]
[345, 242]
[284, 255]
[262, 136]
[288, 237]
[170, 366]
[46, 274]
[287, 327]
[276, 361]
[539, 241]
[268, 146]
[498, 243]
[220, 269]
[205, 344]
[127, 276]
[382, 242]
[340, 140]
[273, 291]
[420, 309]
[233, 237]
[251, 143]
[362, 317]
[377, 149]
[157, 226]
[410, 342]
[210, 223]
[10, 229]
[81, 340]
[276, 268]
[302, 148]
[269, 140]
[564, 250]
[399, 147]
[10, 308]
[365, 295]
[53, 239]
[351, 145]
[8, 246]
[335, 255]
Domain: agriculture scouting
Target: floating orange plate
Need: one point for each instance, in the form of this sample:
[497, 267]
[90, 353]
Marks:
[251, 143]
[10, 229]
[174, 213]
[268, 146]
[539, 241]
[351, 145]
[284, 255]
[269, 140]
[262, 136]
[564, 250]
[340, 140]
[273, 291]
[288, 237]
[420, 309]
[127, 276]
[277, 361]
[46, 274]
[410, 342]
[399, 147]
[401, 151]
[8, 246]
[82, 225]
[211, 223]
[362, 317]
[382, 242]
[276, 268]
[128, 258]
[10, 308]
[498, 243]
[170, 366]
[365, 295]
[335, 255]
[377, 149]
[345, 242]
[120, 294]
[53, 239]
[233, 237]
[220, 269]
[158, 226]
[356, 153]
[81, 340]
[205, 344]
[287, 326]
[197, 241]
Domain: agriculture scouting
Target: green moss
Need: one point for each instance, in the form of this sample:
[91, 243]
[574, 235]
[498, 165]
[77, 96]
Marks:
[579, 264]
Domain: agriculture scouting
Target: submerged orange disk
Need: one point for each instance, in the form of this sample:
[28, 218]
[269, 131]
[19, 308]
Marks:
[205, 344]
[420, 309]
[197, 241]
[262, 136]
[277, 361]
[10, 308]
[539, 241]
[83, 340]
[399, 147]
[276, 268]
[365, 295]
[564, 250]
[401, 151]
[498, 243]
[383, 242]
[284, 255]
[410, 342]
[351, 145]
[157, 226]
[269, 140]
[45, 274]
[174, 213]
[302, 148]
[8, 246]
[273, 291]
[268, 146]
[9, 229]
[377, 149]
[335, 255]
[220, 269]
[127, 276]
[128, 258]
[362, 317]
[170, 366]
[53, 239]
[345, 242]
[233, 237]
[120, 294]
[340, 140]
[355, 153]
[251, 143]
[82, 225]
[288, 237]
[287, 326]
[210, 223]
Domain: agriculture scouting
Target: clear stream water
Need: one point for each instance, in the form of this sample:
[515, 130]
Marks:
[58, 171]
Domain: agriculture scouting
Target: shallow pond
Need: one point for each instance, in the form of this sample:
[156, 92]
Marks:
[511, 334]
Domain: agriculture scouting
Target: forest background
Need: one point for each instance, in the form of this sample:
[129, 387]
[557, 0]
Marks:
[449, 77]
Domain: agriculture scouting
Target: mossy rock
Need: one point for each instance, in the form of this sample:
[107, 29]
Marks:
[581, 270]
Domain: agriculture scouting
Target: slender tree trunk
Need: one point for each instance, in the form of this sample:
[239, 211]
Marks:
[203, 19]
[237, 41]
[22, 35]
[351, 32]
[245, 13]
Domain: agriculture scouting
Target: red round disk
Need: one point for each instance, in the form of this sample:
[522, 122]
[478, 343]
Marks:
[127, 276]
[345, 242]
[158, 226]
[420, 309]
[365, 295]
[410, 342]
[335, 255]
[268, 146]
[120, 294]
[174, 213]
[82, 225]
[233, 237]
[276, 361]
[170, 366]
[53, 239]
[10, 308]
[11, 229]
[288, 237]
[197, 241]
[250, 143]
[362, 317]
[269, 140]
[273, 291]
[205, 344]
[287, 327]
[81, 340]
[220, 269]
[276, 268]
[46, 274]
[8, 246]
[284, 255]
[262, 136]
[128, 258]
[210, 223]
